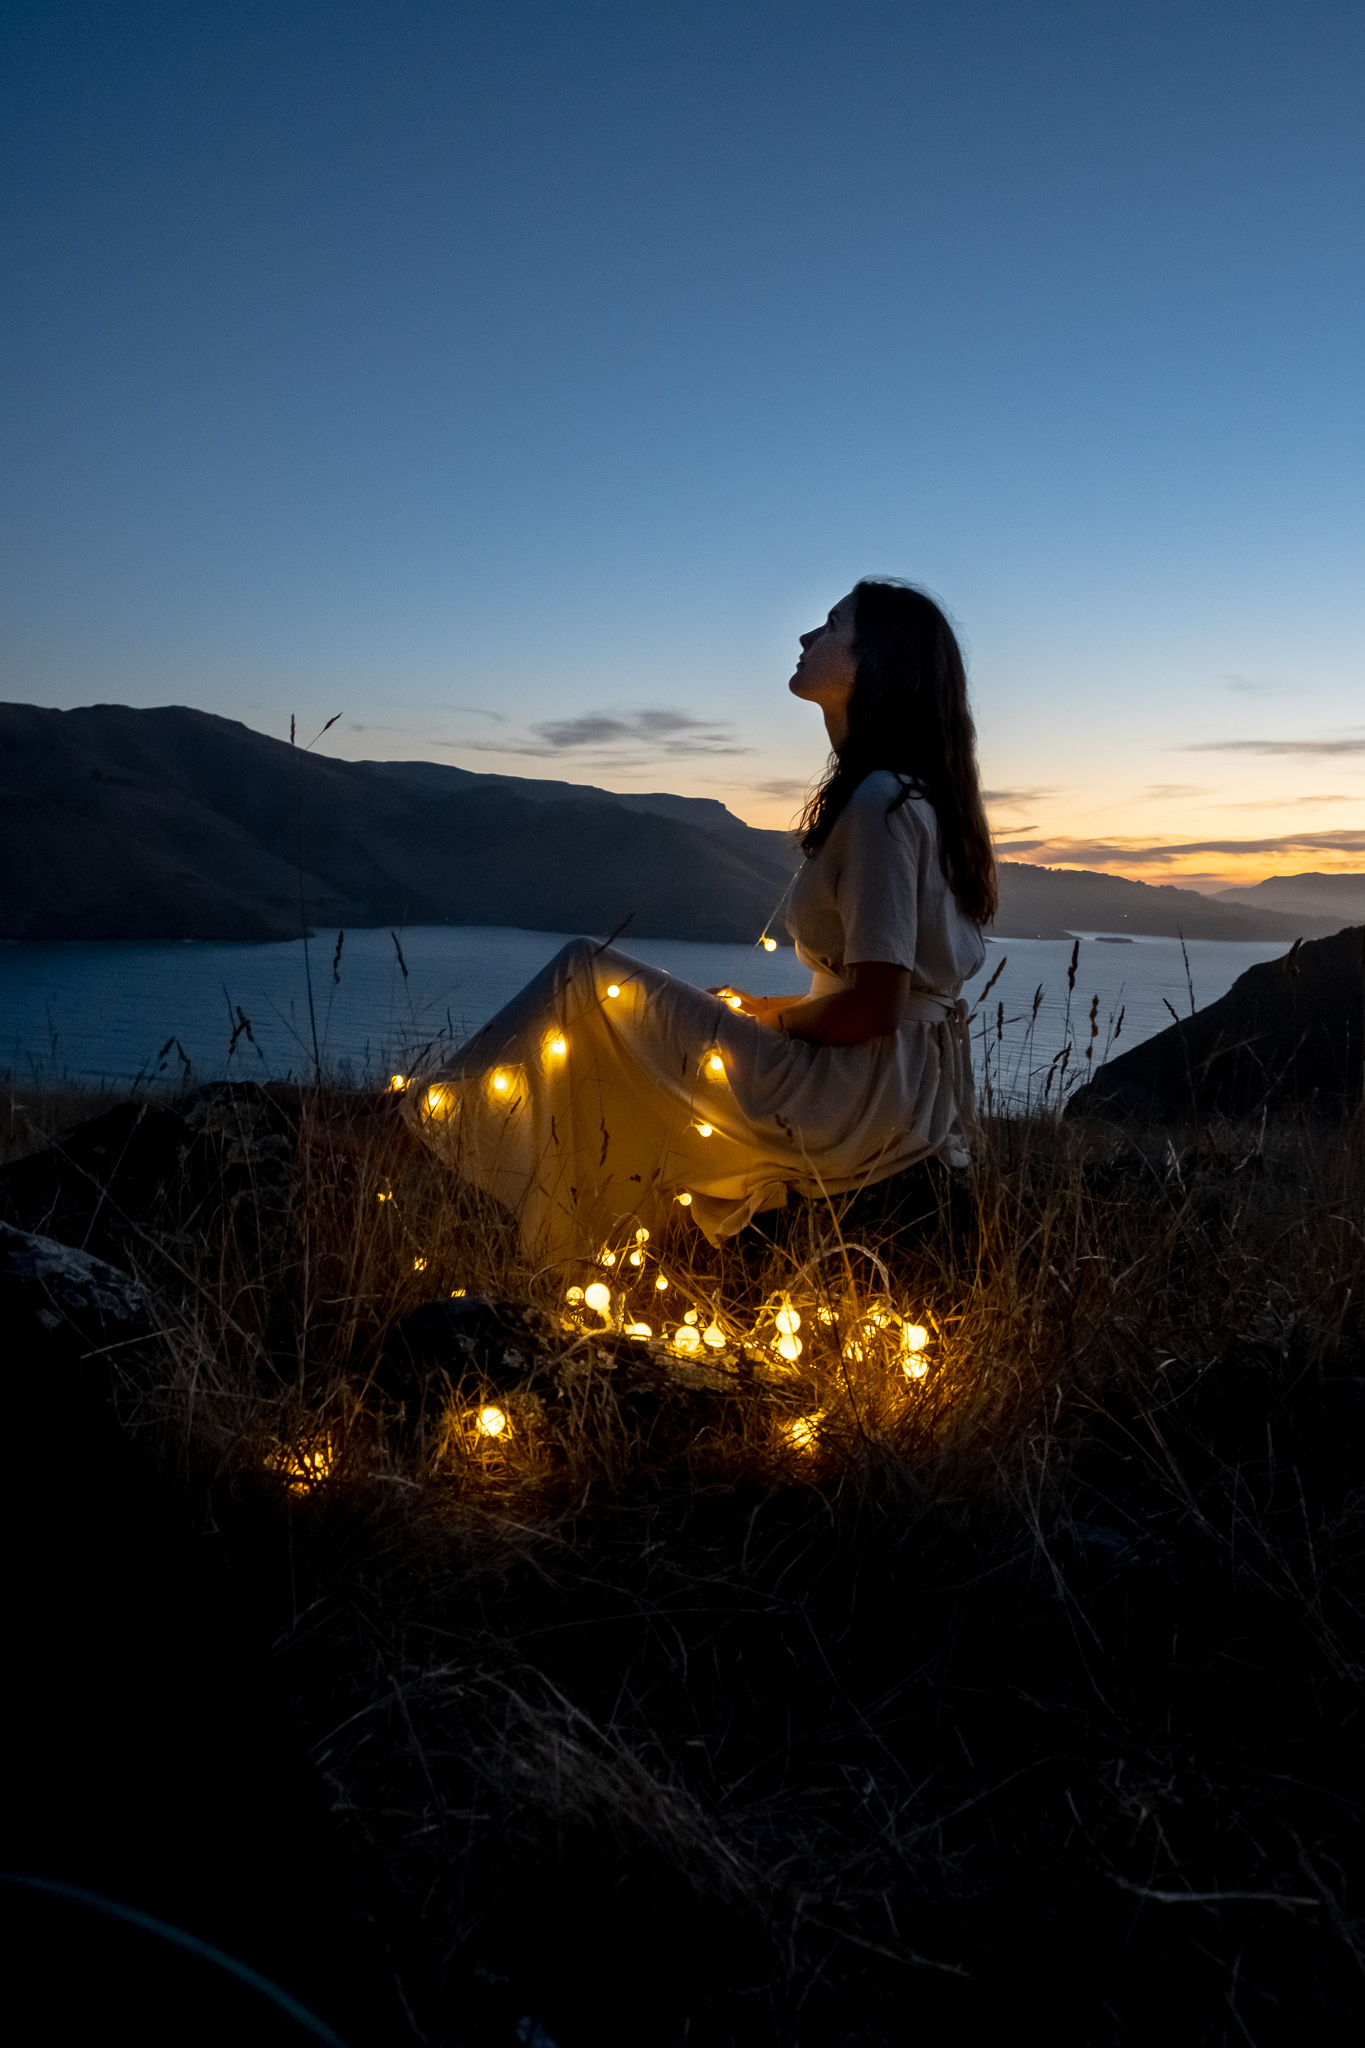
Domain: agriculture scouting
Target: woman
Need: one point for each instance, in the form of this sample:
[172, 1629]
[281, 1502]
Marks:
[607, 1091]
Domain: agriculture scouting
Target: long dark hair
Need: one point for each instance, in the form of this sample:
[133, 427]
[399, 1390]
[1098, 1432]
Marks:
[908, 712]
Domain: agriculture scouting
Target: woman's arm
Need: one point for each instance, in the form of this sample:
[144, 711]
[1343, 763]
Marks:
[871, 1007]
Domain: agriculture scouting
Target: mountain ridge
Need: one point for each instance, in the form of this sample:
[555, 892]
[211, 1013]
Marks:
[171, 823]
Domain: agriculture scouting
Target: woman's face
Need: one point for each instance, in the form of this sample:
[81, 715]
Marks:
[824, 674]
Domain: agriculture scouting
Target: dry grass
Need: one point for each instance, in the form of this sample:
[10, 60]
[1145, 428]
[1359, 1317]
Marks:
[1021, 1695]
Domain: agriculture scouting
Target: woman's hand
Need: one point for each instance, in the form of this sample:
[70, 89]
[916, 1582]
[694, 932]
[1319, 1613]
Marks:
[765, 1008]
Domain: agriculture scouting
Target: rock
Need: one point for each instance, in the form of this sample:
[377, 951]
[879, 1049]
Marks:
[1287, 1031]
[51, 1294]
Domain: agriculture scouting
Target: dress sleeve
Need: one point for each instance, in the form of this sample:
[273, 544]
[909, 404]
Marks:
[879, 875]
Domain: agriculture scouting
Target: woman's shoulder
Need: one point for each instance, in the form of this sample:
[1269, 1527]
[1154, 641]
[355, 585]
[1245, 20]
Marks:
[879, 797]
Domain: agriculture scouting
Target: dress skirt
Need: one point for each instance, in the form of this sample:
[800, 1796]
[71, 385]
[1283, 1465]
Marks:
[607, 1092]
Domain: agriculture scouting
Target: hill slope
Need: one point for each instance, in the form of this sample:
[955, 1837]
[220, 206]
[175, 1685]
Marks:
[175, 824]
[1287, 1030]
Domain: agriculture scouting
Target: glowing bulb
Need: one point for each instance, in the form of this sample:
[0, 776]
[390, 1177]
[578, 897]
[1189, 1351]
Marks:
[642, 1235]
[824, 1315]
[789, 1348]
[715, 1064]
[457, 1293]
[914, 1337]
[637, 1258]
[661, 1283]
[916, 1367]
[436, 1101]
[734, 1002]
[639, 1331]
[573, 1294]
[769, 945]
[705, 1130]
[802, 1432]
[598, 1296]
[492, 1421]
[419, 1265]
[606, 1258]
[397, 1083]
[788, 1321]
[686, 1339]
[614, 988]
[714, 1336]
[383, 1196]
[558, 1045]
[691, 1316]
[685, 1199]
[500, 1083]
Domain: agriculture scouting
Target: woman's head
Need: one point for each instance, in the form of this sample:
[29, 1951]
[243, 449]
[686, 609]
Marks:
[888, 673]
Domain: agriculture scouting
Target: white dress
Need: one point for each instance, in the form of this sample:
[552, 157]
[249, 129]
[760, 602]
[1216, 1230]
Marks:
[607, 1091]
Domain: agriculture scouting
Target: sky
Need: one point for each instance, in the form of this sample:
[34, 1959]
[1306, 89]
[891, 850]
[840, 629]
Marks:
[518, 380]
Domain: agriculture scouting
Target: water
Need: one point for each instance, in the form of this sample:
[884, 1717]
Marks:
[117, 1013]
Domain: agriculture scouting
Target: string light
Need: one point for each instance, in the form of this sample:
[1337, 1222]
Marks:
[734, 1002]
[691, 1316]
[637, 1258]
[613, 988]
[639, 1331]
[769, 945]
[457, 1293]
[492, 1421]
[642, 1235]
[558, 1045]
[788, 1321]
[598, 1296]
[661, 1283]
[714, 1336]
[397, 1083]
[500, 1083]
[685, 1199]
[686, 1339]
[419, 1265]
[436, 1101]
[705, 1130]
[715, 1065]
[573, 1294]
[802, 1432]
[789, 1348]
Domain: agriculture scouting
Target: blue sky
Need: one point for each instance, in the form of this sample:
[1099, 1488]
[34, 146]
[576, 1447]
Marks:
[519, 380]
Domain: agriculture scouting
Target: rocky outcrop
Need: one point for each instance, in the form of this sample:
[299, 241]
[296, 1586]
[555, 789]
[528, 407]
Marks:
[1287, 1031]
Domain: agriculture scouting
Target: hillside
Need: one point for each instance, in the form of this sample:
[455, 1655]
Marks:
[1286, 1031]
[1341, 897]
[175, 824]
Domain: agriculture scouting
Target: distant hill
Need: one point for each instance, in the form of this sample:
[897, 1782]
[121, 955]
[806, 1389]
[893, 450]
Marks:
[1338, 896]
[1053, 903]
[175, 824]
[172, 823]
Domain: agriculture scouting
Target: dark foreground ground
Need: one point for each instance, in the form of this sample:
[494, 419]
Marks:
[741, 1702]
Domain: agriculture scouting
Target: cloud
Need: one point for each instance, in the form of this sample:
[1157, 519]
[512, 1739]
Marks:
[1164, 791]
[784, 790]
[1014, 799]
[1254, 686]
[1276, 748]
[1132, 853]
[622, 739]
[1285, 803]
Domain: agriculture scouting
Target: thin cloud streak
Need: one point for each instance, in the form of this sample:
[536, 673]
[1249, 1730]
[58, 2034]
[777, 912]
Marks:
[1275, 748]
[1100, 853]
[617, 740]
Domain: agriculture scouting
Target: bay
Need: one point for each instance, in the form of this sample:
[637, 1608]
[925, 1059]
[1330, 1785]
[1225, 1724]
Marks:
[117, 1014]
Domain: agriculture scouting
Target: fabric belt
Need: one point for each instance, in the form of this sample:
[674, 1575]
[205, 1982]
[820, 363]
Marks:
[923, 1007]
